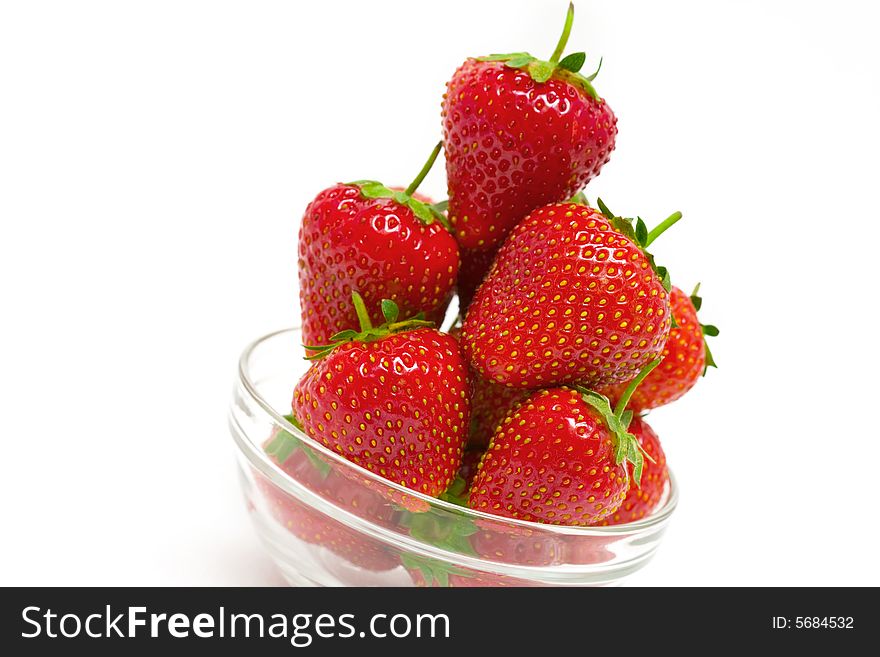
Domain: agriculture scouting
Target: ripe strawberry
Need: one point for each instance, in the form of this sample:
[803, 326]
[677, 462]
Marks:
[393, 399]
[470, 462]
[686, 357]
[490, 404]
[473, 268]
[641, 500]
[309, 525]
[560, 459]
[384, 243]
[520, 133]
[515, 545]
[571, 298]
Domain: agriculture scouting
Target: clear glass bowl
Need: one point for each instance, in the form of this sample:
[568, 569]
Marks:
[328, 522]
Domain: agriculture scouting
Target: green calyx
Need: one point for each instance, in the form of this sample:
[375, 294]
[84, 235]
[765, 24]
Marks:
[638, 232]
[284, 443]
[368, 332]
[425, 212]
[708, 330]
[450, 533]
[565, 68]
[456, 493]
[579, 199]
[626, 445]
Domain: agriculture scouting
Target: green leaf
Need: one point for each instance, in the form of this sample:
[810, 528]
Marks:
[622, 225]
[432, 570]
[441, 206]
[448, 532]
[284, 443]
[592, 77]
[428, 214]
[520, 61]
[390, 311]
[601, 404]
[580, 198]
[665, 280]
[708, 329]
[674, 321]
[641, 232]
[634, 456]
[604, 209]
[500, 58]
[541, 71]
[392, 324]
[710, 360]
[626, 418]
[697, 301]
[573, 62]
[374, 189]
[457, 492]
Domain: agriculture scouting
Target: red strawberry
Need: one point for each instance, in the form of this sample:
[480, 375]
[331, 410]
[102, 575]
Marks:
[312, 526]
[474, 265]
[490, 404]
[686, 357]
[385, 244]
[641, 500]
[560, 459]
[520, 133]
[393, 399]
[470, 462]
[571, 297]
[515, 545]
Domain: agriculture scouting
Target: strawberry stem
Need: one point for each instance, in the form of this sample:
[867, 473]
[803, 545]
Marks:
[670, 221]
[414, 185]
[361, 309]
[631, 388]
[566, 31]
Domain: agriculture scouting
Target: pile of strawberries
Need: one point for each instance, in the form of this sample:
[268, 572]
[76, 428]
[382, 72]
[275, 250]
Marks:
[531, 407]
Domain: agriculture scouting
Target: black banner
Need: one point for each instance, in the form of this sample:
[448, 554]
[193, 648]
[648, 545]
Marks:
[425, 621]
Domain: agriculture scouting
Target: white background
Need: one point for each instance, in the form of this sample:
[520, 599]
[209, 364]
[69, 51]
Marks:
[155, 158]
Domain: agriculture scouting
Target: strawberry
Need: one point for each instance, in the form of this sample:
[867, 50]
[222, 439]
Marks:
[470, 463]
[472, 270]
[519, 133]
[559, 458]
[515, 545]
[386, 244]
[572, 297]
[457, 490]
[641, 500]
[490, 404]
[303, 465]
[686, 357]
[393, 399]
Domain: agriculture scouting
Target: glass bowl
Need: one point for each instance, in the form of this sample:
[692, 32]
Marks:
[327, 522]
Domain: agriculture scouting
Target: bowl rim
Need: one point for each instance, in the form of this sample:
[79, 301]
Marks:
[259, 459]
